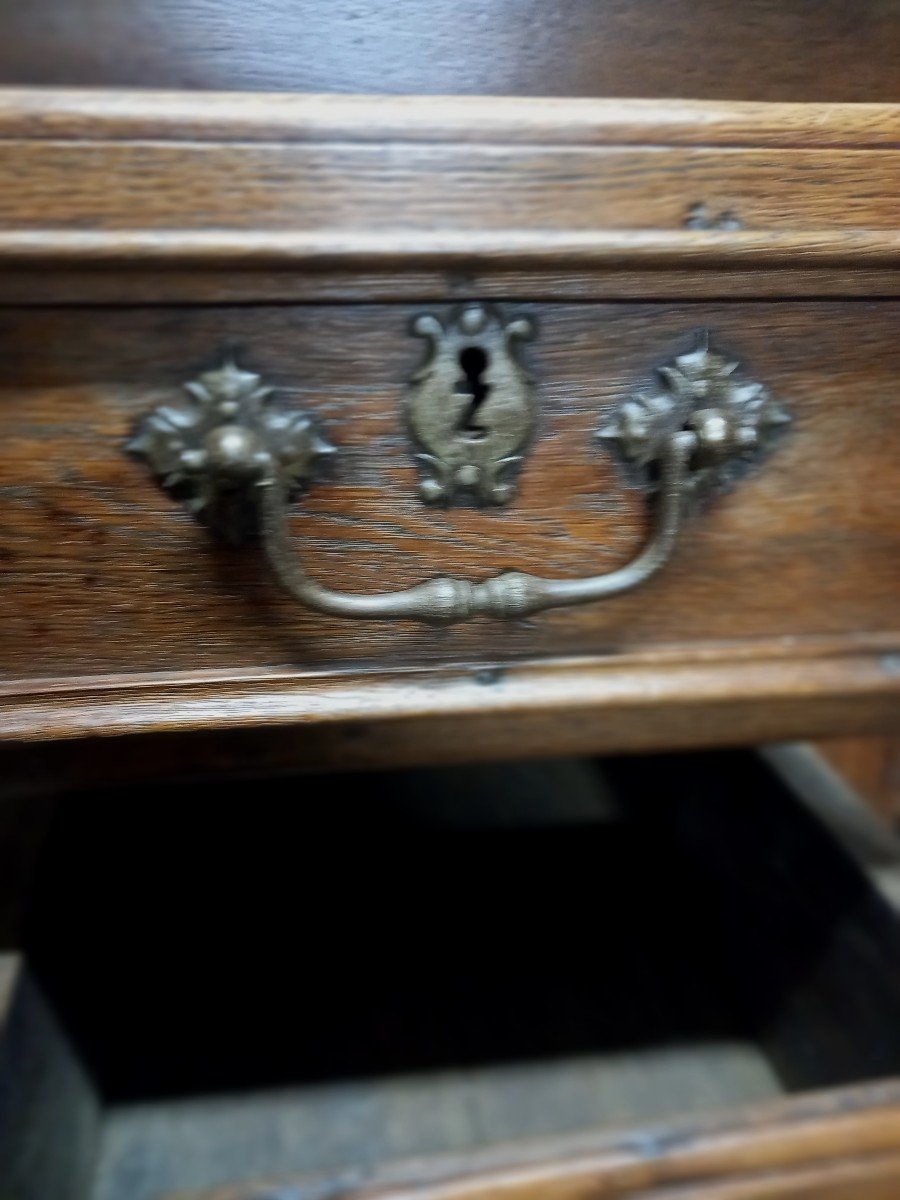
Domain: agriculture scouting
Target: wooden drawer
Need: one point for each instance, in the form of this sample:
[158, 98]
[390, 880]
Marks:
[111, 575]
[147, 242]
[679, 942]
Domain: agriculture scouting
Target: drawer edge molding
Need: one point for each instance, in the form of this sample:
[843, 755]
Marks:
[388, 251]
[657, 700]
[159, 114]
[356, 197]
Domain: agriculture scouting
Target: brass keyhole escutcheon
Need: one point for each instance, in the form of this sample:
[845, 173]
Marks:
[470, 407]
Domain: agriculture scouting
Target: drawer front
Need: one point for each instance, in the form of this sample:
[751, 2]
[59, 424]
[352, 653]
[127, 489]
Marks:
[149, 240]
[106, 573]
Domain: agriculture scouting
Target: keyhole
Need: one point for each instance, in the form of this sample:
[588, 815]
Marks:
[473, 361]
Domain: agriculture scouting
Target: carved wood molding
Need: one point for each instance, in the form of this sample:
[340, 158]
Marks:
[701, 696]
[121, 114]
[343, 197]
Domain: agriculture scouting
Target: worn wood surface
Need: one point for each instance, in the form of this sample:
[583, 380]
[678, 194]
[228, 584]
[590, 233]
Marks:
[124, 197]
[104, 114]
[106, 574]
[307, 188]
[83, 270]
[709, 48]
[277, 721]
[142, 623]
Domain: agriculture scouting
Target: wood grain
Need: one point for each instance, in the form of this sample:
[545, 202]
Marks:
[106, 574]
[115, 593]
[766, 50]
[105, 114]
[363, 718]
[354, 198]
[105, 275]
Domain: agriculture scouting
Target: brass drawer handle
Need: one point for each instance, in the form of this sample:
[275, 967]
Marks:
[239, 462]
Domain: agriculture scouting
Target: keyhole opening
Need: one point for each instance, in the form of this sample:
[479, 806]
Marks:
[473, 361]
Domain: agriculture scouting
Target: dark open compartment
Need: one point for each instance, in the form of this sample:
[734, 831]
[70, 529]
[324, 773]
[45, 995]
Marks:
[318, 973]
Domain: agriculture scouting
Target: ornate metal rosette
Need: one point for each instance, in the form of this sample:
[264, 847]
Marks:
[212, 452]
[735, 420]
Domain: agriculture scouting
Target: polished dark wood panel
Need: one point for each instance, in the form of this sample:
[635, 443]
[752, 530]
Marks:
[765, 50]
